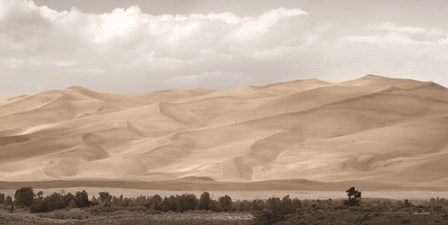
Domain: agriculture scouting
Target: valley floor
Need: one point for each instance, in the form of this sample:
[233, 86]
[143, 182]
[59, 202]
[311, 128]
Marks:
[78, 217]
[250, 194]
[373, 215]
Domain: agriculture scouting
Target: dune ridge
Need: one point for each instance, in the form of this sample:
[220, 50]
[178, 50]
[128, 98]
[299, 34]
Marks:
[373, 129]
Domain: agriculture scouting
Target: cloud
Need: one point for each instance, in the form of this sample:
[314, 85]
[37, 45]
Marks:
[389, 34]
[128, 50]
[406, 51]
[136, 51]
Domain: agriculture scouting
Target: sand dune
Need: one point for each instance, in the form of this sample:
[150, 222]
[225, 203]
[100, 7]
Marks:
[373, 130]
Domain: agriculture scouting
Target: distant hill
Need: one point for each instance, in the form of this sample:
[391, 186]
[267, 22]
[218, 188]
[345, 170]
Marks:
[372, 129]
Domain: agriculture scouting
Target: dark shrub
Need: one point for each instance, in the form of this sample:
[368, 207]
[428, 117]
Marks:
[274, 204]
[287, 206]
[214, 206]
[169, 204]
[225, 202]
[105, 199]
[8, 201]
[187, 202]
[155, 202]
[204, 201]
[267, 217]
[68, 198]
[2, 198]
[24, 196]
[81, 199]
[55, 201]
[354, 197]
[38, 206]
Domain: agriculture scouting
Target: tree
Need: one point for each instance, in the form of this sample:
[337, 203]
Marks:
[187, 202]
[105, 199]
[354, 196]
[2, 198]
[55, 201]
[287, 206]
[214, 206]
[38, 206]
[225, 202]
[204, 201]
[68, 198]
[155, 202]
[8, 201]
[169, 204]
[81, 199]
[24, 196]
[94, 200]
[275, 205]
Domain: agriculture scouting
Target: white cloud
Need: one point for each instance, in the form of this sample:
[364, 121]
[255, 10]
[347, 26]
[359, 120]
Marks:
[129, 50]
[390, 35]
[396, 28]
[142, 51]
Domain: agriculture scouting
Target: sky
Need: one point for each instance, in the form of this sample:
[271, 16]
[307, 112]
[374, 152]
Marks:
[139, 46]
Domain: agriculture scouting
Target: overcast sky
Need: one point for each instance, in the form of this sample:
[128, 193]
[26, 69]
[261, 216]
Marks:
[137, 46]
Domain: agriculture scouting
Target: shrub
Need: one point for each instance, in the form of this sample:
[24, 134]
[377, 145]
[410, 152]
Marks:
[8, 201]
[155, 203]
[214, 206]
[169, 204]
[105, 199]
[204, 201]
[267, 217]
[225, 202]
[187, 202]
[354, 197]
[55, 201]
[287, 204]
[2, 198]
[38, 206]
[68, 198]
[24, 196]
[81, 199]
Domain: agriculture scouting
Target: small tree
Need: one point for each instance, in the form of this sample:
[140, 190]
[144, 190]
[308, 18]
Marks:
[2, 198]
[214, 206]
[204, 201]
[24, 196]
[68, 198]
[55, 201]
[287, 206]
[273, 211]
[225, 202]
[81, 199]
[8, 201]
[155, 202]
[354, 196]
[38, 206]
[169, 204]
[187, 202]
[105, 199]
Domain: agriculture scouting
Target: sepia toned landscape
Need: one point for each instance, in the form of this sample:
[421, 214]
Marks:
[307, 139]
[200, 112]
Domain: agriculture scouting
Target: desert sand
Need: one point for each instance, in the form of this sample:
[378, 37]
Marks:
[373, 131]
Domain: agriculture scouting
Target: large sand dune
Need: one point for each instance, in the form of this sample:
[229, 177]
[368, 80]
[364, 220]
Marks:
[373, 130]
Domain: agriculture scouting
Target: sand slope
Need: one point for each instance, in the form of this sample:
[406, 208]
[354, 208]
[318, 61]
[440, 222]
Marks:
[372, 129]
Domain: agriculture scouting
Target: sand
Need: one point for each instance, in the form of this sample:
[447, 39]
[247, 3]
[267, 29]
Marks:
[372, 130]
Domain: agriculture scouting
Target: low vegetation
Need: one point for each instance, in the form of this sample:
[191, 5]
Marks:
[78, 208]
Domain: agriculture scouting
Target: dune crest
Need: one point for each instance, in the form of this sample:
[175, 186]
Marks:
[373, 129]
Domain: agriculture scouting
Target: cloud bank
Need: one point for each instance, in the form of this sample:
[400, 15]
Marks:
[130, 51]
